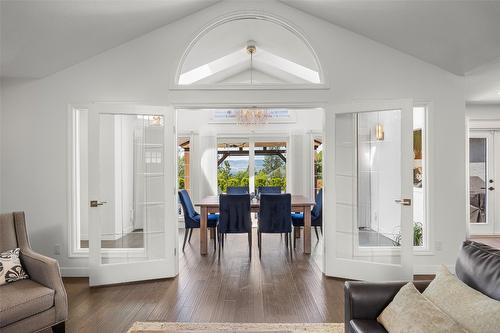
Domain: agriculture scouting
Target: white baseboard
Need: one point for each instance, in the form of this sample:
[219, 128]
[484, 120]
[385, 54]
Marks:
[74, 271]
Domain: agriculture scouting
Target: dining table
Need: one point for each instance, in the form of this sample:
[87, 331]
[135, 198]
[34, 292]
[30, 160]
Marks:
[210, 205]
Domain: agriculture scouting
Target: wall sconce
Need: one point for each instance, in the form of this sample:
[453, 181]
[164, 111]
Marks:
[379, 132]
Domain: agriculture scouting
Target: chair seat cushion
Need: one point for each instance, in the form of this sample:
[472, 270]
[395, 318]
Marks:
[23, 299]
[212, 220]
[298, 219]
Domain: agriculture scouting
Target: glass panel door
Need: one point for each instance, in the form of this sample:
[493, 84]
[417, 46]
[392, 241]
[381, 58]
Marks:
[372, 182]
[481, 182]
[132, 169]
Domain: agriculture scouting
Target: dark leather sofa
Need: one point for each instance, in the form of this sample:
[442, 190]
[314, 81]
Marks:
[478, 265]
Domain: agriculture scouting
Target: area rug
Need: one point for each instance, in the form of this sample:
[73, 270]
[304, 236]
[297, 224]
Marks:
[157, 327]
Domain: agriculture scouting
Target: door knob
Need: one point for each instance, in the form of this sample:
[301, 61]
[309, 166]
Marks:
[95, 203]
[404, 202]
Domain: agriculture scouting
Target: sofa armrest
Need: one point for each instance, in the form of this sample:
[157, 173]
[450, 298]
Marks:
[45, 271]
[366, 300]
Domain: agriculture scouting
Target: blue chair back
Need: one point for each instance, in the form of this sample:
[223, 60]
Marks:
[190, 213]
[234, 216]
[237, 190]
[268, 189]
[317, 211]
[274, 214]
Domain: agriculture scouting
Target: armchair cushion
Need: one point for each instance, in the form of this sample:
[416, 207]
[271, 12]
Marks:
[11, 269]
[23, 299]
[45, 271]
[411, 311]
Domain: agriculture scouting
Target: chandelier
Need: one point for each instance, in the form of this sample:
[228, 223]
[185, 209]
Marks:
[253, 116]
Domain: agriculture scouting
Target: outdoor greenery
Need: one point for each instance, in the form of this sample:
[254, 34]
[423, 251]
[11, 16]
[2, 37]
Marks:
[181, 167]
[318, 170]
[418, 235]
[273, 173]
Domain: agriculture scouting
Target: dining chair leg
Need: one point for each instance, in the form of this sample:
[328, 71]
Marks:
[223, 238]
[259, 243]
[286, 240]
[316, 231]
[190, 234]
[186, 231]
[290, 242]
[321, 229]
[215, 239]
[294, 238]
[250, 244]
[220, 242]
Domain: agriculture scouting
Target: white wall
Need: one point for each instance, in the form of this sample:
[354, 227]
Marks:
[34, 116]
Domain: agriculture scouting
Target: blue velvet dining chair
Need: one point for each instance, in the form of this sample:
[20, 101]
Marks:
[316, 217]
[237, 190]
[268, 189]
[274, 218]
[192, 218]
[234, 218]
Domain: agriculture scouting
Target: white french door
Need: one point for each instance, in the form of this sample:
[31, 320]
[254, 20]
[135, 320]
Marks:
[369, 181]
[132, 193]
[482, 175]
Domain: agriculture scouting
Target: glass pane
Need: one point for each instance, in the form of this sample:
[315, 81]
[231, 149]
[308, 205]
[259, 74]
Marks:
[232, 164]
[419, 174]
[368, 180]
[318, 164]
[132, 184]
[379, 178]
[270, 164]
[477, 179]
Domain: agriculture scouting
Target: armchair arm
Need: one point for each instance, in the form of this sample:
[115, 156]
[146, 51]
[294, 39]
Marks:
[366, 300]
[45, 271]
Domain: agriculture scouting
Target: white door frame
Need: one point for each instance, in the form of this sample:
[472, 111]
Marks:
[492, 136]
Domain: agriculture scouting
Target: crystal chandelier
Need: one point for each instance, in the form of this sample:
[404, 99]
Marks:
[252, 116]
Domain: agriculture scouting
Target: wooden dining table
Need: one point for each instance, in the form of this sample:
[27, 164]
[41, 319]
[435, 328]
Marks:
[210, 204]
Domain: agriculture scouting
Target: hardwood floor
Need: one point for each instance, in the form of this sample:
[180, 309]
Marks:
[235, 290]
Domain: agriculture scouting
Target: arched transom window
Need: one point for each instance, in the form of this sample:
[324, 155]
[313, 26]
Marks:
[250, 51]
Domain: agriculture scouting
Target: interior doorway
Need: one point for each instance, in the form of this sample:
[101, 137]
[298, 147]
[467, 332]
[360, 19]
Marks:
[484, 169]
[221, 148]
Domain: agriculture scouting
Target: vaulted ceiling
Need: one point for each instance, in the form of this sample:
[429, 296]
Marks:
[38, 38]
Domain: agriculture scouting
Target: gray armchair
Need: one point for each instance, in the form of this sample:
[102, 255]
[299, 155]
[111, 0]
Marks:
[38, 302]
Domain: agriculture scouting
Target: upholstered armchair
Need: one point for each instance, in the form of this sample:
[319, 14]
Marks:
[38, 302]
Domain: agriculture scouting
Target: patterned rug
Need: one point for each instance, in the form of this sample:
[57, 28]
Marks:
[156, 327]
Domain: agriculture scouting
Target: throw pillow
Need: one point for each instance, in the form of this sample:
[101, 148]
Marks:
[410, 312]
[473, 310]
[10, 267]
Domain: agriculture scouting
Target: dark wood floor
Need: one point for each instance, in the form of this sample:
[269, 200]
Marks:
[235, 290]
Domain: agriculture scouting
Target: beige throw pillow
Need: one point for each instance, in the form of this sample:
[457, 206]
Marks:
[473, 310]
[410, 312]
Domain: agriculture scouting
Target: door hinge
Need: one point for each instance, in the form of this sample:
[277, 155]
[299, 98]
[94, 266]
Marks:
[175, 251]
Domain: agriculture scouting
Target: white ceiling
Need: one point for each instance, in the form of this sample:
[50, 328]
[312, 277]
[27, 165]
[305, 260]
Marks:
[42, 37]
[455, 35]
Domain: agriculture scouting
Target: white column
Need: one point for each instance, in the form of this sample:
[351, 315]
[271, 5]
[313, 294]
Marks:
[194, 166]
[208, 165]
[251, 165]
[300, 164]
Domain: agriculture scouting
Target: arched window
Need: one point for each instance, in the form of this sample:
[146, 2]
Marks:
[249, 51]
